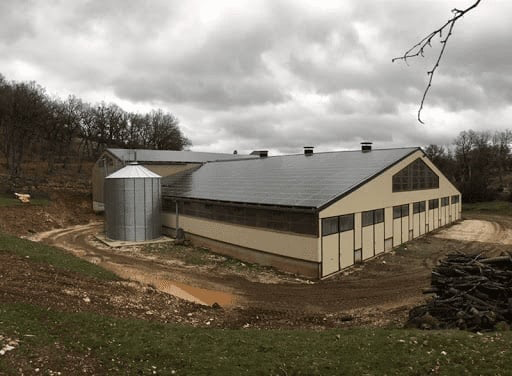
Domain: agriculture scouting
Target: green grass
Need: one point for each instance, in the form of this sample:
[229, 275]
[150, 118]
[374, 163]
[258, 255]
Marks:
[494, 207]
[10, 200]
[123, 346]
[60, 259]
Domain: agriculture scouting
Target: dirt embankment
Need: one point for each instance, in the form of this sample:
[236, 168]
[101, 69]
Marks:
[64, 208]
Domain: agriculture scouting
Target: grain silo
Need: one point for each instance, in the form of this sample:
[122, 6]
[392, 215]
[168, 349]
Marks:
[132, 204]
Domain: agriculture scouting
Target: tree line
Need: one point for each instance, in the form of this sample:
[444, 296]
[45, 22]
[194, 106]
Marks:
[34, 124]
[479, 163]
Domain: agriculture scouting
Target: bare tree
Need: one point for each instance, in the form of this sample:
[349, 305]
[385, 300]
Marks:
[418, 50]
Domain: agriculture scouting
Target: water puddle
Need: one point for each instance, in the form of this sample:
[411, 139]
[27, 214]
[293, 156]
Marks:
[178, 289]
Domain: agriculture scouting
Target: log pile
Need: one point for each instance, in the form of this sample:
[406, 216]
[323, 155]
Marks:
[470, 292]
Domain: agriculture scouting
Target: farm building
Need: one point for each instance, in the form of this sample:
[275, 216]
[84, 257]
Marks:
[161, 162]
[314, 213]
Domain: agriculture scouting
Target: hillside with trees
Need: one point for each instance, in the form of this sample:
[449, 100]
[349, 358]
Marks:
[37, 127]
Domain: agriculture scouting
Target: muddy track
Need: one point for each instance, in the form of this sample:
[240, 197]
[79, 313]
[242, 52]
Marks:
[390, 283]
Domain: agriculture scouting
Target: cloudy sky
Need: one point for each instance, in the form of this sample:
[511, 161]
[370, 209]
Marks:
[277, 74]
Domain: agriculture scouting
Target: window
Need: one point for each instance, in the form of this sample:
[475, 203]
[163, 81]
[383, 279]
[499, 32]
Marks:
[346, 222]
[433, 204]
[373, 217]
[379, 216]
[397, 212]
[367, 218]
[329, 226]
[400, 211]
[418, 207]
[455, 199]
[445, 201]
[415, 176]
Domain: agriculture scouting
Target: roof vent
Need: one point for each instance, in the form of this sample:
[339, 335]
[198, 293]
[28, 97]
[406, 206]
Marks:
[366, 146]
[260, 153]
[308, 150]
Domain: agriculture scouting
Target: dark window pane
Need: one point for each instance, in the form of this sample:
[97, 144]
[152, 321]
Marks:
[329, 226]
[397, 212]
[346, 222]
[433, 204]
[379, 215]
[405, 210]
[367, 218]
[416, 207]
[422, 206]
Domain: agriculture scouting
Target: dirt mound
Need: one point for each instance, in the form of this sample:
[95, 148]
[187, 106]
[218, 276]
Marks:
[64, 208]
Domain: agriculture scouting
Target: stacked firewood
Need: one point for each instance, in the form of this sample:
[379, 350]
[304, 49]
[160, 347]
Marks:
[471, 292]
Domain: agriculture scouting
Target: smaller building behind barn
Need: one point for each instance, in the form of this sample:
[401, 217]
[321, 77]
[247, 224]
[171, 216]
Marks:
[161, 162]
[314, 213]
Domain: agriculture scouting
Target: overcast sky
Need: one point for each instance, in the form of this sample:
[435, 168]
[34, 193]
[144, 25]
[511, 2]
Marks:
[273, 75]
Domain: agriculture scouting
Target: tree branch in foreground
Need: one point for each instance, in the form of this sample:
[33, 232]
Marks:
[419, 48]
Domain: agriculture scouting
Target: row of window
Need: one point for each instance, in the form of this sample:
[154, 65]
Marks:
[296, 222]
[342, 223]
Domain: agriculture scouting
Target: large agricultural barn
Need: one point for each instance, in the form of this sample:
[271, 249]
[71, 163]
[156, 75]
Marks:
[161, 162]
[313, 213]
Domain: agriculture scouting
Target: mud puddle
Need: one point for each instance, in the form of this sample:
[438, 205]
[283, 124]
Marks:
[178, 289]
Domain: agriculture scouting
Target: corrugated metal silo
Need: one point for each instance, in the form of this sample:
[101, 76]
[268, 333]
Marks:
[132, 204]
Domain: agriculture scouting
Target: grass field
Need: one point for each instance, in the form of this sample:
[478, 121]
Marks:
[134, 347]
[68, 342]
[58, 258]
[495, 207]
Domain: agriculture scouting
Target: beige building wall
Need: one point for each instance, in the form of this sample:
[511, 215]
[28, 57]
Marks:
[378, 194]
[303, 247]
[105, 165]
[347, 249]
[379, 237]
[330, 256]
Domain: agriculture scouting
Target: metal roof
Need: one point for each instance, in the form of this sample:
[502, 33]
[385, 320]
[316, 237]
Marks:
[293, 180]
[133, 171]
[159, 156]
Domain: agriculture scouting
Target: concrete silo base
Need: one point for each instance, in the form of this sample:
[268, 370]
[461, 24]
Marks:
[122, 243]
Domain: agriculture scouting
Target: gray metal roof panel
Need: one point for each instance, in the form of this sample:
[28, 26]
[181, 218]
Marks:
[292, 180]
[159, 156]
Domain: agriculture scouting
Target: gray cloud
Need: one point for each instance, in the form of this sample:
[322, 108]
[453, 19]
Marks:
[270, 74]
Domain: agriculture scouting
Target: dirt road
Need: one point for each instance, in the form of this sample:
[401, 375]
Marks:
[485, 230]
[379, 292]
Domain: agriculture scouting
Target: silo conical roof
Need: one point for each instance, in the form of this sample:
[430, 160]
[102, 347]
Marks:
[133, 171]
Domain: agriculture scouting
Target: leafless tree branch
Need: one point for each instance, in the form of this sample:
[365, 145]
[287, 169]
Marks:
[418, 49]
